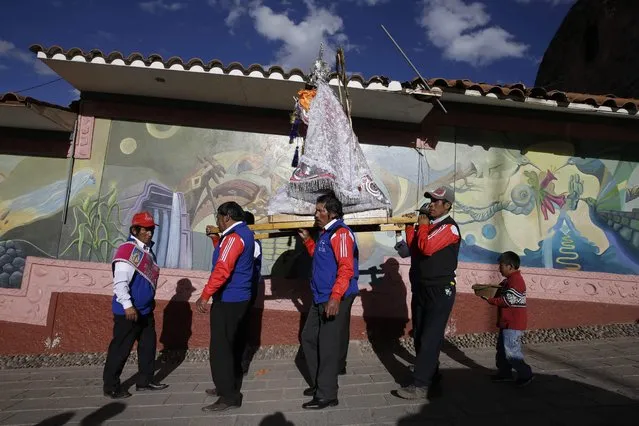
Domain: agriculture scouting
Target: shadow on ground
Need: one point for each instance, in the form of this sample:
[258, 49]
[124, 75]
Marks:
[465, 397]
[290, 280]
[387, 295]
[277, 419]
[468, 397]
[95, 418]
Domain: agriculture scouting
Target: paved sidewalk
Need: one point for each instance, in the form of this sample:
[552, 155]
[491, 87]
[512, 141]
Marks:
[577, 383]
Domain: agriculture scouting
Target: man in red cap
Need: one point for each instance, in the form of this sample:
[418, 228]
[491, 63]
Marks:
[434, 248]
[135, 277]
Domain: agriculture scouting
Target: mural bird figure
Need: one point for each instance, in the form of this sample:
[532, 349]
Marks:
[609, 197]
[494, 163]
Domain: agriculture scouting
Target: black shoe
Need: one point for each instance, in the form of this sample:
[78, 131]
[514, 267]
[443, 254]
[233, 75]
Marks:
[211, 392]
[117, 394]
[309, 392]
[222, 404]
[520, 383]
[151, 387]
[501, 378]
[319, 404]
[412, 392]
[437, 378]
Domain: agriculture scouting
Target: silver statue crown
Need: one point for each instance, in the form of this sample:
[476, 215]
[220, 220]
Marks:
[320, 71]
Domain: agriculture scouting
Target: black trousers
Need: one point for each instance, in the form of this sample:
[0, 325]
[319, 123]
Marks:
[227, 346]
[416, 319]
[346, 337]
[431, 309]
[125, 334]
[244, 330]
[323, 346]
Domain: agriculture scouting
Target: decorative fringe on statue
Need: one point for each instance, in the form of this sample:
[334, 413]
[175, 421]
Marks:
[332, 161]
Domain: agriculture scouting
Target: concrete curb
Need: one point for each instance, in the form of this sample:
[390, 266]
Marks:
[289, 352]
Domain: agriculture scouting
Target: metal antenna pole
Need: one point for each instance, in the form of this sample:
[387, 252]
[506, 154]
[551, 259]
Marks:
[414, 68]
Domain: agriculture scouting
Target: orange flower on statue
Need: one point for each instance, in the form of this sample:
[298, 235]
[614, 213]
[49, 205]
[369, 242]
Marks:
[305, 97]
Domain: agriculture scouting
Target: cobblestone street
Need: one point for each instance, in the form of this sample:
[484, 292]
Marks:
[577, 383]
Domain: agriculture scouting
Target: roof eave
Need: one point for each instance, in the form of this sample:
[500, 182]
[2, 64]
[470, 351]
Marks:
[273, 91]
[32, 116]
[472, 97]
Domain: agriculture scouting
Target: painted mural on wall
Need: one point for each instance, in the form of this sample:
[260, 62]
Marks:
[32, 196]
[555, 209]
[182, 174]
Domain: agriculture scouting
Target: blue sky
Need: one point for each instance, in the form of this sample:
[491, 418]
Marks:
[492, 41]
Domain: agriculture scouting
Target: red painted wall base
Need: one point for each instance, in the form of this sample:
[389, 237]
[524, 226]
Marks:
[83, 323]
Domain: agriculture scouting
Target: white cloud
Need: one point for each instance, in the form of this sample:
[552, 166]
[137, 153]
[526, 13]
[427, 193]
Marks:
[236, 9]
[300, 41]
[75, 94]
[462, 31]
[235, 13]
[6, 47]
[9, 51]
[370, 2]
[552, 2]
[42, 69]
[154, 6]
[23, 56]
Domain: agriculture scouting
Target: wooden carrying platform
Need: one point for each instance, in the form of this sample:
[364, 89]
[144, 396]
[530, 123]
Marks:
[287, 225]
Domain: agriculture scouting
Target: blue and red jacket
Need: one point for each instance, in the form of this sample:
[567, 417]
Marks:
[141, 289]
[231, 279]
[335, 263]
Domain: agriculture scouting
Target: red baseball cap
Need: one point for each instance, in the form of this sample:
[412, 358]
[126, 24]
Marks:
[143, 219]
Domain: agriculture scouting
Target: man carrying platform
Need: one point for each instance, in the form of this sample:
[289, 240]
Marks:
[230, 285]
[434, 247]
[334, 285]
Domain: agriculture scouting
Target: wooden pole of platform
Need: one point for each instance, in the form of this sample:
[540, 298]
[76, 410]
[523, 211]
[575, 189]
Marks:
[372, 224]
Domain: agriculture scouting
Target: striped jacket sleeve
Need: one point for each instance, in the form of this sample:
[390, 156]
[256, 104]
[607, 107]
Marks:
[511, 295]
[230, 251]
[343, 243]
[433, 238]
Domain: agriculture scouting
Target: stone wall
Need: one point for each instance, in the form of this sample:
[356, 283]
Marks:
[626, 224]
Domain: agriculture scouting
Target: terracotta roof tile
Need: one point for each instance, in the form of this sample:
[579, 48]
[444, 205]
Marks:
[519, 90]
[516, 91]
[16, 99]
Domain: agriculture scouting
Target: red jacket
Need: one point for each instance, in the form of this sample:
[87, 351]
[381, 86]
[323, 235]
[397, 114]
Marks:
[430, 239]
[511, 302]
